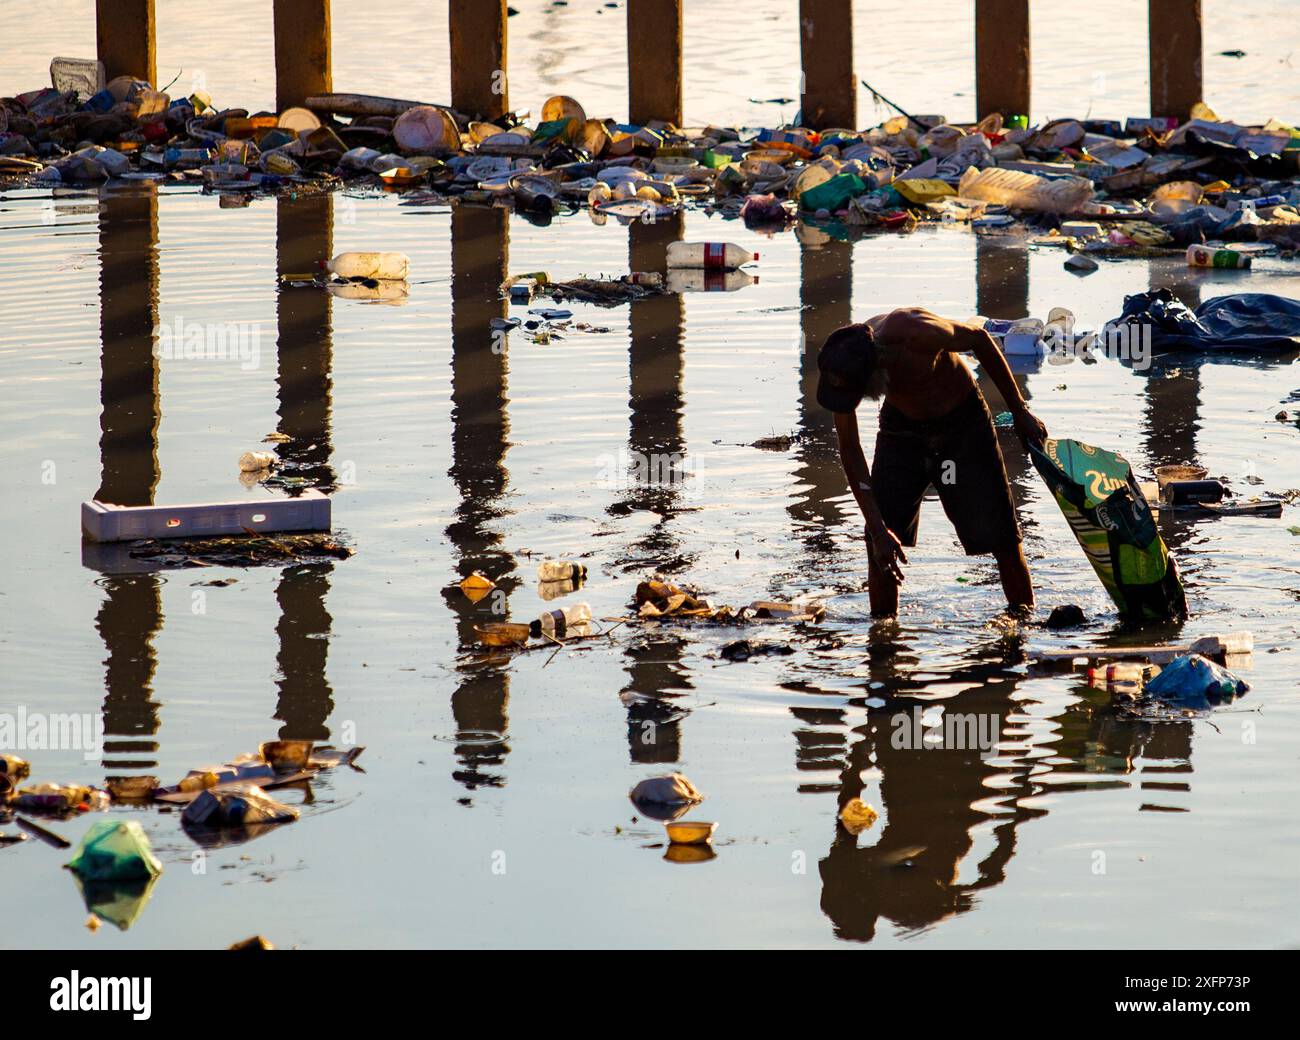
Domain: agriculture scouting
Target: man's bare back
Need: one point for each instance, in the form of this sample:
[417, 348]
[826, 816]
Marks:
[926, 379]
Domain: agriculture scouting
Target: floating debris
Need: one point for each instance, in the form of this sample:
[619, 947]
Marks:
[665, 797]
[690, 832]
[115, 850]
[857, 816]
[251, 551]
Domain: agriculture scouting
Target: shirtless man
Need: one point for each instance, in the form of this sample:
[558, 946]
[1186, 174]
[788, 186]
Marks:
[934, 428]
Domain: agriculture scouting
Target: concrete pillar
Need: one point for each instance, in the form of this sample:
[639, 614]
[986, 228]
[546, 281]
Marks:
[654, 61]
[1174, 40]
[1001, 57]
[478, 58]
[124, 37]
[302, 51]
[829, 94]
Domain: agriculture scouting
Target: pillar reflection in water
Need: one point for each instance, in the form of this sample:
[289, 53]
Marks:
[131, 614]
[656, 441]
[479, 441]
[655, 362]
[825, 292]
[304, 235]
[1002, 291]
[1171, 417]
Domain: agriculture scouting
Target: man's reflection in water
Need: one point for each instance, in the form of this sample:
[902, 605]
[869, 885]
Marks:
[933, 800]
[929, 793]
[131, 614]
[480, 430]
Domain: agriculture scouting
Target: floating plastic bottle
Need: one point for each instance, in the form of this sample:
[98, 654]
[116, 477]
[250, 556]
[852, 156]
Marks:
[384, 266]
[561, 570]
[716, 256]
[60, 798]
[1025, 190]
[562, 622]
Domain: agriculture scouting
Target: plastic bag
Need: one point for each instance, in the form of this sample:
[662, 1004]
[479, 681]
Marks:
[114, 850]
[1113, 523]
[1193, 681]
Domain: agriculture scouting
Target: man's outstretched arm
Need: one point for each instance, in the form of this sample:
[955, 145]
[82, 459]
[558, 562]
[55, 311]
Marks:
[992, 360]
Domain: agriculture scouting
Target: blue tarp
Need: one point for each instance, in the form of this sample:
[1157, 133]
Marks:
[1243, 322]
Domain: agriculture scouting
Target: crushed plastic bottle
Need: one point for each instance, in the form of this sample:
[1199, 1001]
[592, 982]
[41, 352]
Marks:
[560, 570]
[1025, 191]
[562, 622]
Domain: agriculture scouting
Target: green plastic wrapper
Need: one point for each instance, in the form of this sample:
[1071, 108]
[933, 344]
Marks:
[833, 194]
[1110, 517]
[115, 850]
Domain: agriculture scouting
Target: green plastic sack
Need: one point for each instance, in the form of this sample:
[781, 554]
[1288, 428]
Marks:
[114, 850]
[1113, 523]
[833, 194]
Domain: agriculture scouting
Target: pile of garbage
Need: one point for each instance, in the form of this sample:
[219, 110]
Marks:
[1149, 183]
[221, 805]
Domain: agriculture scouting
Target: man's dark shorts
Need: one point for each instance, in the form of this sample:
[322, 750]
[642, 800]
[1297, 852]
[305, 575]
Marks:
[959, 454]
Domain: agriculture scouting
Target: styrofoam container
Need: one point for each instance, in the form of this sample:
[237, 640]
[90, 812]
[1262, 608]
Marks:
[102, 522]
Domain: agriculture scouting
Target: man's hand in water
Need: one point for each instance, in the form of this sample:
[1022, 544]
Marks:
[886, 550]
[1030, 427]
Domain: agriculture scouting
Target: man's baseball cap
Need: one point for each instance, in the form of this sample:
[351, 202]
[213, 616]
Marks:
[844, 364]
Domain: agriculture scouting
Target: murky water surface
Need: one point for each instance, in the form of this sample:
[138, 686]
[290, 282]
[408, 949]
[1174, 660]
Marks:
[493, 807]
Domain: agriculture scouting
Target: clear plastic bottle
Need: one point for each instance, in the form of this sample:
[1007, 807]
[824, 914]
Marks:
[560, 570]
[384, 266]
[717, 256]
[562, 622]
